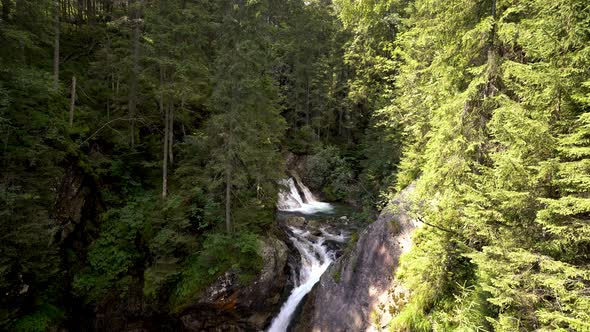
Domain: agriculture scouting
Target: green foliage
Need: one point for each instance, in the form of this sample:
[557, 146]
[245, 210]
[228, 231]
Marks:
[246, 127]
[237, 77]
[113, 256]
[495, 133]
[34, 145]
[220, 253]
[43, 319]
[484, 104]
[326, 169]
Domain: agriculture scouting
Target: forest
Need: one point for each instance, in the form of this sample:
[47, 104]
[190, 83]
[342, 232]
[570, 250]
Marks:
[146, 147]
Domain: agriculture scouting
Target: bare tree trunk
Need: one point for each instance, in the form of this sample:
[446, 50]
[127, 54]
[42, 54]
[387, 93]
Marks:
[491, 87]
[228, 225]
[136, 14]
[307, 115]
[228, 175]
[171, 133]
[165, 156]
[340, 116]
[56, 46]
[182, 99]
[73, 101]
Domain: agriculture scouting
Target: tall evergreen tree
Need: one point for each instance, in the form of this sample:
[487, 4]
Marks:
[246, 125]
[485, 100]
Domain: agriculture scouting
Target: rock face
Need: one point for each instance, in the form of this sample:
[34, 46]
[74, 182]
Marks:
[228, 306]
[358, 292]
[76, 208]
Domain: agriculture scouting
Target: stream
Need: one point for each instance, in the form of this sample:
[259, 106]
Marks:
[316, 257]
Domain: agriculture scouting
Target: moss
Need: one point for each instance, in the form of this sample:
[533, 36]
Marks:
[337, 276]
[351, 244]
[395, 225]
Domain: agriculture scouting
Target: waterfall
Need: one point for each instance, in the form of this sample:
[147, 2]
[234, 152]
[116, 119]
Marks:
[315, 259]
[309, 197]
[290, 199]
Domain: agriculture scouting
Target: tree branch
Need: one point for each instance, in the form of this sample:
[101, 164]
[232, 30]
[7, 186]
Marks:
[420, 219]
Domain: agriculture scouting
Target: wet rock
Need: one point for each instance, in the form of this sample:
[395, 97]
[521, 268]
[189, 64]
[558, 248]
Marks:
[356, 293]
[298, 222]
[227, 305]
[313, 224]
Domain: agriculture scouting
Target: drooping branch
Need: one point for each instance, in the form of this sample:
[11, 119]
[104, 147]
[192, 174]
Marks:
[420, 219]
[107, 124]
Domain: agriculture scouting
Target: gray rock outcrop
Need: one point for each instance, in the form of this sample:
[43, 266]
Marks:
[228, 306]
[358, 292]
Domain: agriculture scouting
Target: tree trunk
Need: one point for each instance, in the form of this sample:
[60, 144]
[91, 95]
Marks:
[165, 156]
[171, 134]
[494, 25]
[182, 99]
[80, 11]
[136, 14]
[73, 101]
[307, 111]
[340, 116]
[6, 9]
[56, 46]
[228, 225]
[90, 12]
[492, 57]
[228, 175]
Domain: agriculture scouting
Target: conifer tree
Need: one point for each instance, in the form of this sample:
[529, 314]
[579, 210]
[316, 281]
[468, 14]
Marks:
[246, 125]
[485, 102]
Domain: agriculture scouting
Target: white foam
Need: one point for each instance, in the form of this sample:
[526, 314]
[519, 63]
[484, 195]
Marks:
[315, 260]
[291, 201]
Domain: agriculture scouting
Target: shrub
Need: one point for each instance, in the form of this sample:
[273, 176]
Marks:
[220, 253]
[41, 320]
[328, 170]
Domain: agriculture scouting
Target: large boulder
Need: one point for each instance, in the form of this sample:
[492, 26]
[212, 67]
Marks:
[359, 292]
[228, 305]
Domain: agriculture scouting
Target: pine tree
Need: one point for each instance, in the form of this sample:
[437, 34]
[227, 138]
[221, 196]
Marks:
[485, 100]
[246, 126]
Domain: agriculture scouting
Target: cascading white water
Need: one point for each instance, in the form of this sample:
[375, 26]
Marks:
[341, 238]
[291, 201]
[290, 198]
[315, 259]
[309, 197]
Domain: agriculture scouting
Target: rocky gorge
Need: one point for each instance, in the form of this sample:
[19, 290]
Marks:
[352, 276]
[354, 291]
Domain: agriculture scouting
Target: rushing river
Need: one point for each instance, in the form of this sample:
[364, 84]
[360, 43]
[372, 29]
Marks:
[315, 256]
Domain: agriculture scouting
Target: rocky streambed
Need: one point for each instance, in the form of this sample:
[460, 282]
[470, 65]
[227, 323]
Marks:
[309, 236]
